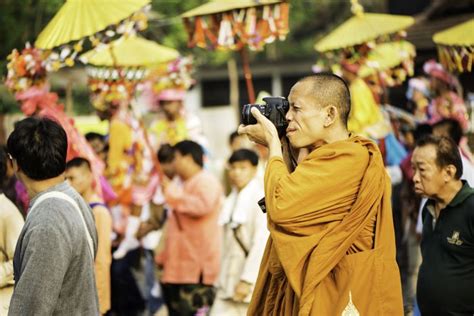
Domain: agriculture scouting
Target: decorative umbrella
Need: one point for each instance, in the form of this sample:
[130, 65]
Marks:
[97, 20]
[393, 61]
[362, 28]
[131, 51]
[456, 46]
[233, 25]
[122, 63]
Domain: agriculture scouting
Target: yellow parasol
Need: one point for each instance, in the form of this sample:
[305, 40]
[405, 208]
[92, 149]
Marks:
[236, 24]
[361, 28]
[80, 18]
[132, 51]
[96, 20]
[387, 56]
[456, 46]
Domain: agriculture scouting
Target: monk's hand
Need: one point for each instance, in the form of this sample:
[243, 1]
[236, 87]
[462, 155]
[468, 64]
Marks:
[242, 290]
[264, 132]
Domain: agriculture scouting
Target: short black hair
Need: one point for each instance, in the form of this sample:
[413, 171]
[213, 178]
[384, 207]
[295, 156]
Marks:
[39, 146]
[329, 88]
[422, 130]
[188, 147]
[165, 154]
[453, 127]
[233, 136]
[3, 163]
[447, 152]
[244, 155]
[78, 162]
[93, 135]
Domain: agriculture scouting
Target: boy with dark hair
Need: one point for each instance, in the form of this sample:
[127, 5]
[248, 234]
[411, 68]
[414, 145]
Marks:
[54, 258]
[245, 235]
[80, 177]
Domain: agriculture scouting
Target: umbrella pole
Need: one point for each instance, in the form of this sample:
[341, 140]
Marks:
[247, 74]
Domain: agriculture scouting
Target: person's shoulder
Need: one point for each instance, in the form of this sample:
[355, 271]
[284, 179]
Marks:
[7, 207]
[100, 211]
[206, 175]
[344, 151]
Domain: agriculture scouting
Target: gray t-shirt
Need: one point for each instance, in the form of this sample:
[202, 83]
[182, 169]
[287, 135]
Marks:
[54, 272]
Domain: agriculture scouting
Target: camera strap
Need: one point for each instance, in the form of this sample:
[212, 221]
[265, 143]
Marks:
[235, 231]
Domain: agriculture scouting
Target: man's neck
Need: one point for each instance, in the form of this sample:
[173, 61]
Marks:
[34, 187]
[192, 172]
[447, 195]
[90, 196]
[335, 134]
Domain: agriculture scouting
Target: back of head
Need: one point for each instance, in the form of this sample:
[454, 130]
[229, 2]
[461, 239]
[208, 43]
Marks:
[77, 163]
[244, 155]
[39, 146]
[422, 131]
[449, 128]
[165, 153]
[447, 152]
[188, 147]
[94, 136]
[329, 89]
[3, 164]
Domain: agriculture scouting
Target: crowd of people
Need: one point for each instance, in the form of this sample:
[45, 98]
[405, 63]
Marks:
[338, 230]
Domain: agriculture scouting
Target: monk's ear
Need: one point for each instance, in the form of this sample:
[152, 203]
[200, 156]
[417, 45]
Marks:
[331, 115]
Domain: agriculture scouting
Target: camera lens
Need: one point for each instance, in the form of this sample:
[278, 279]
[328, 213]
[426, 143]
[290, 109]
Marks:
[247, 117]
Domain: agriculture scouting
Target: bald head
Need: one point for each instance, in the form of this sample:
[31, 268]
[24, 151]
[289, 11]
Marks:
[325, 90]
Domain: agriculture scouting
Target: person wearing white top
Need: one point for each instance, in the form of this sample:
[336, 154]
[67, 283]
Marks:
[245, 236]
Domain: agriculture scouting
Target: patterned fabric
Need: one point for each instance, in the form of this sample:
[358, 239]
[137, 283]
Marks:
[188, 299]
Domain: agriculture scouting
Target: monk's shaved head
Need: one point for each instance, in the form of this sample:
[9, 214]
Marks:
[328, 89]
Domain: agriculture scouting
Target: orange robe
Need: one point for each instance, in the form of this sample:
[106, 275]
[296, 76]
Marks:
[331, 236]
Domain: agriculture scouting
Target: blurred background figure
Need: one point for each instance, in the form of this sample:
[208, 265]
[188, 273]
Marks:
[79, 175]
[11, 223]
[98, 143]
[171, 127]
[191, 254]
[152, 231]
[418, 95]
[447, 101]
[451, 128]
[245, 236]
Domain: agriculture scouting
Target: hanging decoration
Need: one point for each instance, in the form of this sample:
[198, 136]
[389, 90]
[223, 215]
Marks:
[393, 62]
[236, 25]
[233, 25]
[176, 74]
[106, 93]
[25, 69]
[456, 47]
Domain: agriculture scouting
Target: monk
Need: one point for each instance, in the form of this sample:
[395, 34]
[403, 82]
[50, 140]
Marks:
[331, 249]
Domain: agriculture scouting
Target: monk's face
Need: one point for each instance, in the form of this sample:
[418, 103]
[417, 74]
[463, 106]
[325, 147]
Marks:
[429, 178]
[305, 118]
[241, 172]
